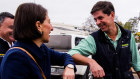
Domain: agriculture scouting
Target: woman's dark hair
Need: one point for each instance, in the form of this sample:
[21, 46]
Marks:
[105, 6]
[26, 16]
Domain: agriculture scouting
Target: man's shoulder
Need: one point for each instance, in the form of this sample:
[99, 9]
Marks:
[96, 32]
[128, 31]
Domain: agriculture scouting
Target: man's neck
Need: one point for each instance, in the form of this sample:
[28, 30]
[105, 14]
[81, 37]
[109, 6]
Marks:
[113, 32]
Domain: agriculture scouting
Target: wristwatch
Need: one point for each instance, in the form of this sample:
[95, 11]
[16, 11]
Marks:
[70, 66]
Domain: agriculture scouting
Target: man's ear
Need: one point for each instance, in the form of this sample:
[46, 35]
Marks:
[112, 14]
[38, 25]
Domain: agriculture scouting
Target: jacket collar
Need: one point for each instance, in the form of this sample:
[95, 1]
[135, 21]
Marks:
[31, 47]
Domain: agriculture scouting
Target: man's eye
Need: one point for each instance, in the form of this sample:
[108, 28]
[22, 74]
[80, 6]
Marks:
[100, 18]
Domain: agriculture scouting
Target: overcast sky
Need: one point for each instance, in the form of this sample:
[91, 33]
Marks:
[75, 12]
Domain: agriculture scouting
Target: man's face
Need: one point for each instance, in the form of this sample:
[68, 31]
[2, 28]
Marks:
[6, 30]
[103, 21]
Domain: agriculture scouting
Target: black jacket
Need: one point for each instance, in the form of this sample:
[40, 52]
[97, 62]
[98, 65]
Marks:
[3, 48]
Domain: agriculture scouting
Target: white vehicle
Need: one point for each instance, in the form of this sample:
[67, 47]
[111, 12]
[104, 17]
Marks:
[63, 43]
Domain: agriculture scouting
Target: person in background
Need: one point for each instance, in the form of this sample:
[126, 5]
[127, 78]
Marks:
[6, 32]
[113, 48]
[31, 29]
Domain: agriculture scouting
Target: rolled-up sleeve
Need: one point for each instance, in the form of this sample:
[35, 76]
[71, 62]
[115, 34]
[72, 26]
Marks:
[85, 47]
[135, 54]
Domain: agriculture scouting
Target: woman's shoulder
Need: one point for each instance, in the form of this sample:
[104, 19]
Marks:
[15, 55]
[15, 51]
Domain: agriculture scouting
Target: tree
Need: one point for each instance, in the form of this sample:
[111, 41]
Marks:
[134, 23]
[128, 26]
[120, 23]
[89, 25]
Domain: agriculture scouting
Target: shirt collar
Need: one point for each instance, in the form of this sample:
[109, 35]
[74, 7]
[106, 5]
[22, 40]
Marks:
[118, 35]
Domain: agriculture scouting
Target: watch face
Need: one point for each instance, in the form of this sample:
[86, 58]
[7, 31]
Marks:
[70, 66]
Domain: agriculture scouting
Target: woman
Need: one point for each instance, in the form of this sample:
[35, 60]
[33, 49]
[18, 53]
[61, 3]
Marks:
[31, 29]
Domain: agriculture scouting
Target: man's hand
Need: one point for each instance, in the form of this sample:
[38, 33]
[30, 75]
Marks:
[96, 69]
[68, 73]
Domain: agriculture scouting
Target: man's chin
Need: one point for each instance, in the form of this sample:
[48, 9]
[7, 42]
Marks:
[103, 30]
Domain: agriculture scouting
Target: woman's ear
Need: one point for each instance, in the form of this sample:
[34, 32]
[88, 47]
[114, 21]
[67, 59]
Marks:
[38, 25]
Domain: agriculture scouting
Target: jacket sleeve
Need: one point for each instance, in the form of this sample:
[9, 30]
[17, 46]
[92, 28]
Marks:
[61, 59]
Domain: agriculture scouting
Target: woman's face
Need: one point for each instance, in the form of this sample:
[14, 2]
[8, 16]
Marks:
[46, 28]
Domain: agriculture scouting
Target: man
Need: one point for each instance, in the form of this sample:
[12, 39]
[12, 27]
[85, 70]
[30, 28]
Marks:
[113, 48]
[6, 32]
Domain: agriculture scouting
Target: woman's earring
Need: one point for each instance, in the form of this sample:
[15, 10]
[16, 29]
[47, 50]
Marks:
[41, 32]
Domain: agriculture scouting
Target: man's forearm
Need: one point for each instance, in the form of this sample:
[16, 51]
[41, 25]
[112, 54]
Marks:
[82, 60]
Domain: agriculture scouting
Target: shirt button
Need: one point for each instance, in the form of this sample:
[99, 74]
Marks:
[129, 75]
[117, 68]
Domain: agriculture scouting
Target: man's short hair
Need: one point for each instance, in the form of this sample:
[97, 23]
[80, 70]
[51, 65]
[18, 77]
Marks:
[4, 15]
[105, 6]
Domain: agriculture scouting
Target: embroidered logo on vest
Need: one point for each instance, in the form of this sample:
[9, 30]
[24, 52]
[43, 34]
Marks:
[124, 45]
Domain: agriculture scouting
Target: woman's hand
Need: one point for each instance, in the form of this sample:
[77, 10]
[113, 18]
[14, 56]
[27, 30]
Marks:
[68, 73]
